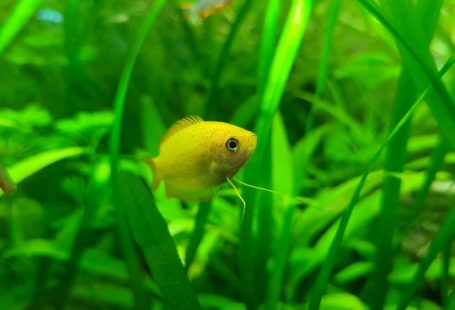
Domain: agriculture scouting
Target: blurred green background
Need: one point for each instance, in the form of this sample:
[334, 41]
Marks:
[353, 105]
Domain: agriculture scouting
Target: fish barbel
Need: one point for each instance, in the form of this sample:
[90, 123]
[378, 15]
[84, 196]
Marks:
[197, 156]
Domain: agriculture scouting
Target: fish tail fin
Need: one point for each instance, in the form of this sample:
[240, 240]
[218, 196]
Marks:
[156, 176]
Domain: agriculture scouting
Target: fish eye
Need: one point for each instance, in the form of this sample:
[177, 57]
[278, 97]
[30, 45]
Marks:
[232, 144]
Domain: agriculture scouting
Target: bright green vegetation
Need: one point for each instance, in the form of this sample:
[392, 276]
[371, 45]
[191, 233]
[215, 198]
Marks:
[353, 103]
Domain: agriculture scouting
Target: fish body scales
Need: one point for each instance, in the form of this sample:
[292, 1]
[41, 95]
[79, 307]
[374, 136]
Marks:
[196, 156]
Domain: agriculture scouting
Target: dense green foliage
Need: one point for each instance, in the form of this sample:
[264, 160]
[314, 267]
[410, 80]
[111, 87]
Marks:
[353, 104]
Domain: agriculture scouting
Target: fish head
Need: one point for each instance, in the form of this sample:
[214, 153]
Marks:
[232, 148]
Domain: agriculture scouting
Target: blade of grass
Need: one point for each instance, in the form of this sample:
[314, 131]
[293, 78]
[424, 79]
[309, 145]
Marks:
[254, 252]
[152, 235]
[136, 277]
[324, 59]
[396, 152]
[450, 301]
[211, 104]
[423, 71]
[268, 42]
[444, 237]
[198, 232]
[189, 33]
[323, 277]
[428, 11]
[445, 273]
[395, 158]
[29, 166]
[94, 197]
[436, 162]
[283, 182]
[21, 14]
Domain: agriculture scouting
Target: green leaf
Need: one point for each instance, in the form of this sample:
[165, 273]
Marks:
[353, 272]
[444, 236]
[342, 301]
[132, 262]
[18, 18]
[254, 254]
[38, 247]
[152, 235]
[33, 164]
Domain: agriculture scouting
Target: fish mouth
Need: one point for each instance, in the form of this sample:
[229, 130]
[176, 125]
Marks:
[246, 154]
[252, 139]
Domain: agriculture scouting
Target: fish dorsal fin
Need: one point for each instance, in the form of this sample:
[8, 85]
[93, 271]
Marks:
[181, 124]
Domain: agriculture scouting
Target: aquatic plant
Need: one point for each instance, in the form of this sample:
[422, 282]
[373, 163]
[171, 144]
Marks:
[353, 107]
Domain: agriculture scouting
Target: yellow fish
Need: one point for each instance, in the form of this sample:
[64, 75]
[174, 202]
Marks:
[197, 156]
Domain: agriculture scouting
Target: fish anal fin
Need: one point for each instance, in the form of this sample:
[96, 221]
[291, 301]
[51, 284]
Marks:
[181, 124]
[156, 176]
[203, 194]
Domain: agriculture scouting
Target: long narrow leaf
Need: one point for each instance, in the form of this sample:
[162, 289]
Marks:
[444, 236]
[323, 277]
[254, 255]
[211, 103]
[136, 277]
[35, 163]
[23, 10]
[440, 103]
[152, 235]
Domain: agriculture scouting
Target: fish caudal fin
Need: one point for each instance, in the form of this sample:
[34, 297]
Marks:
[156, 176]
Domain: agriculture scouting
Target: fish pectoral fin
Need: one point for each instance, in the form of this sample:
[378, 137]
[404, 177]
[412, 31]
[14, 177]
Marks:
[155, 174]
[201, 194]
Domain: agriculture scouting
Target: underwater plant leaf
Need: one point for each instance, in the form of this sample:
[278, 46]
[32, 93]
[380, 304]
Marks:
[132, 261]
[353, 272]
[211, 301]
[153, 126]
[395, 158]
[198, 232]
[32, 116]
[323, 277]
[7, 123]
[22, 12]
[268, 42]
[443, 237]
[436, 162]
[152, 235]
[254, 254]
[282, 168]
[38, 247]
[342, 301]
[29, 166]
[419, 61]
[211, 103]
[451, 300]
[97, 191]
[396, 151]
[283, 182]
[110, 295]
